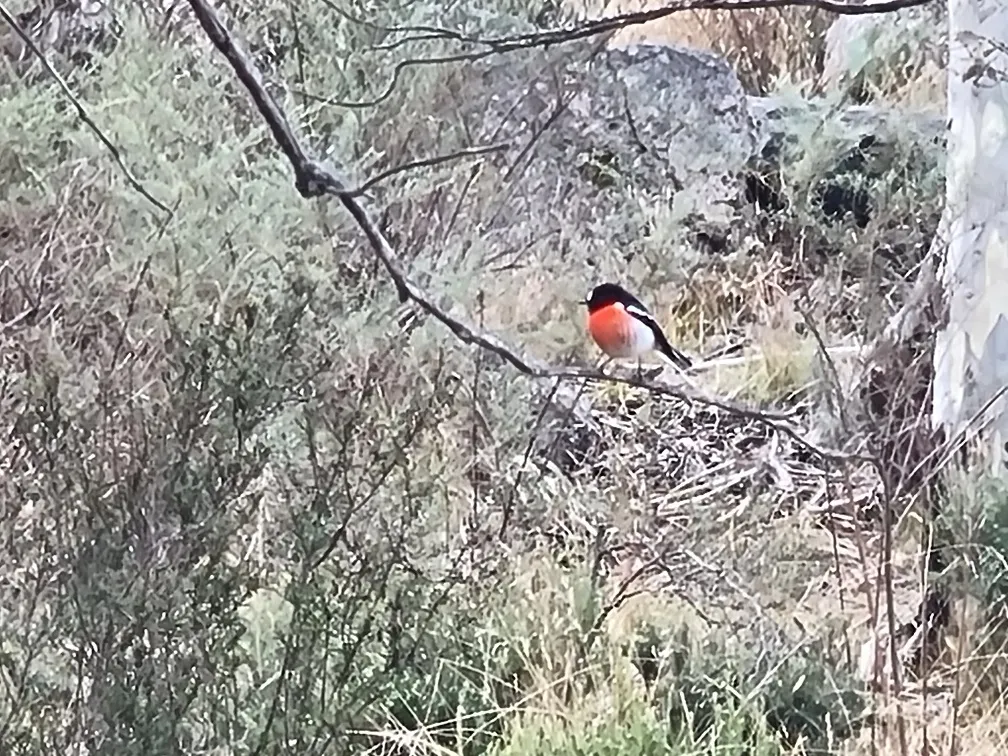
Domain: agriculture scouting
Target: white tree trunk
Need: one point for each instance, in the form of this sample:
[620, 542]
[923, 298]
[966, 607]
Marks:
[971, 353]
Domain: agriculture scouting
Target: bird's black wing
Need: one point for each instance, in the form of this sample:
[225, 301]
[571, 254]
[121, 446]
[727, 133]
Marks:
[678, 358]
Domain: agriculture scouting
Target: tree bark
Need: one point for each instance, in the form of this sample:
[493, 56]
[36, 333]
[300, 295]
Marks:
[971, 351]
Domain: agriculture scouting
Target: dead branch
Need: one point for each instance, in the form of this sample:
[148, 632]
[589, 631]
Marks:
[313, 179]
[599, 27]
[594, 27]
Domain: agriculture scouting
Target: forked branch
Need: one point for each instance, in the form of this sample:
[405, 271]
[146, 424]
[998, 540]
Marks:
[314, 179]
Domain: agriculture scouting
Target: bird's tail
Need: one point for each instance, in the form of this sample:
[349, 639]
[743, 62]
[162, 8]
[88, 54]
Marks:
[677, 358]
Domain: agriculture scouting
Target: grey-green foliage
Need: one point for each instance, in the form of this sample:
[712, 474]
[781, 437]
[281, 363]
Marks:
[857, 189]
[879, 54]
[897, 161]
[699, 696]
[971, 541]
[220, 529]
[638, 735]
[136, 598]
[766, 697]
[224, 492]
[993, 543]
[134, 503]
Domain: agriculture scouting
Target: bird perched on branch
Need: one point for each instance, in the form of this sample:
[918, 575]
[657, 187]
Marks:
[624, 329]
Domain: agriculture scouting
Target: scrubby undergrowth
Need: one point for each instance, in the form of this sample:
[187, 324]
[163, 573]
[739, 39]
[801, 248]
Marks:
[252, 503]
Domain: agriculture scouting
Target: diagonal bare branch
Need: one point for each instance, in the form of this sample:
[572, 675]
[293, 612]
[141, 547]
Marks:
[313, 179]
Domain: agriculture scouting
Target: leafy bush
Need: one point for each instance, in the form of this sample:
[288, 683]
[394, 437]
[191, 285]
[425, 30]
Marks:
[219, 528]
[636, 732]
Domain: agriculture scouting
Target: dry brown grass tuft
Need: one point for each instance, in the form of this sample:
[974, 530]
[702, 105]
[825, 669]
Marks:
[934, 726]
[763, 46]
[774, 48]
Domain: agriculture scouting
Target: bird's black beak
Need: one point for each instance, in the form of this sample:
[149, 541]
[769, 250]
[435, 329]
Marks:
[582, 301]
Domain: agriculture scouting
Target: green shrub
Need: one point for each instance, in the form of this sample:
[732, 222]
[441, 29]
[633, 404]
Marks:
[771, 700]
[970, 562]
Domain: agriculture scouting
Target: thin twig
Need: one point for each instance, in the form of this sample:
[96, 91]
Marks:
[597, 26]
[313, 179]
[592, 28]
[887, 578]
[12, 22]
[425, 163]
[508, 507]
[622, 595]
[474, 431]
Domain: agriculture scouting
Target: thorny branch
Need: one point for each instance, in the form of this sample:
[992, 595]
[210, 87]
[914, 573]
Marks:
[313, 179]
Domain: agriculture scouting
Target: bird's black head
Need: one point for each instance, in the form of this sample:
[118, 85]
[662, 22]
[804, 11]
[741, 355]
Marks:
[606, 294]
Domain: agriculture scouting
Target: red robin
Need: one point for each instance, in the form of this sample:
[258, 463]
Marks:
[624, 329]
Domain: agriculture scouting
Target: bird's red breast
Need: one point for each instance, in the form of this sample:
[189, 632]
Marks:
[612, 328]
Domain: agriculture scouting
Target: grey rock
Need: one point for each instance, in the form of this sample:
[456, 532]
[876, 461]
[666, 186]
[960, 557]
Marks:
[683, 111]
[599, 128]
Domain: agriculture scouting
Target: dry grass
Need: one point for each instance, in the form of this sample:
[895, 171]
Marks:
[786, 49]
[765, 47]
[637, 516]
[801, 585]
[933, 724]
